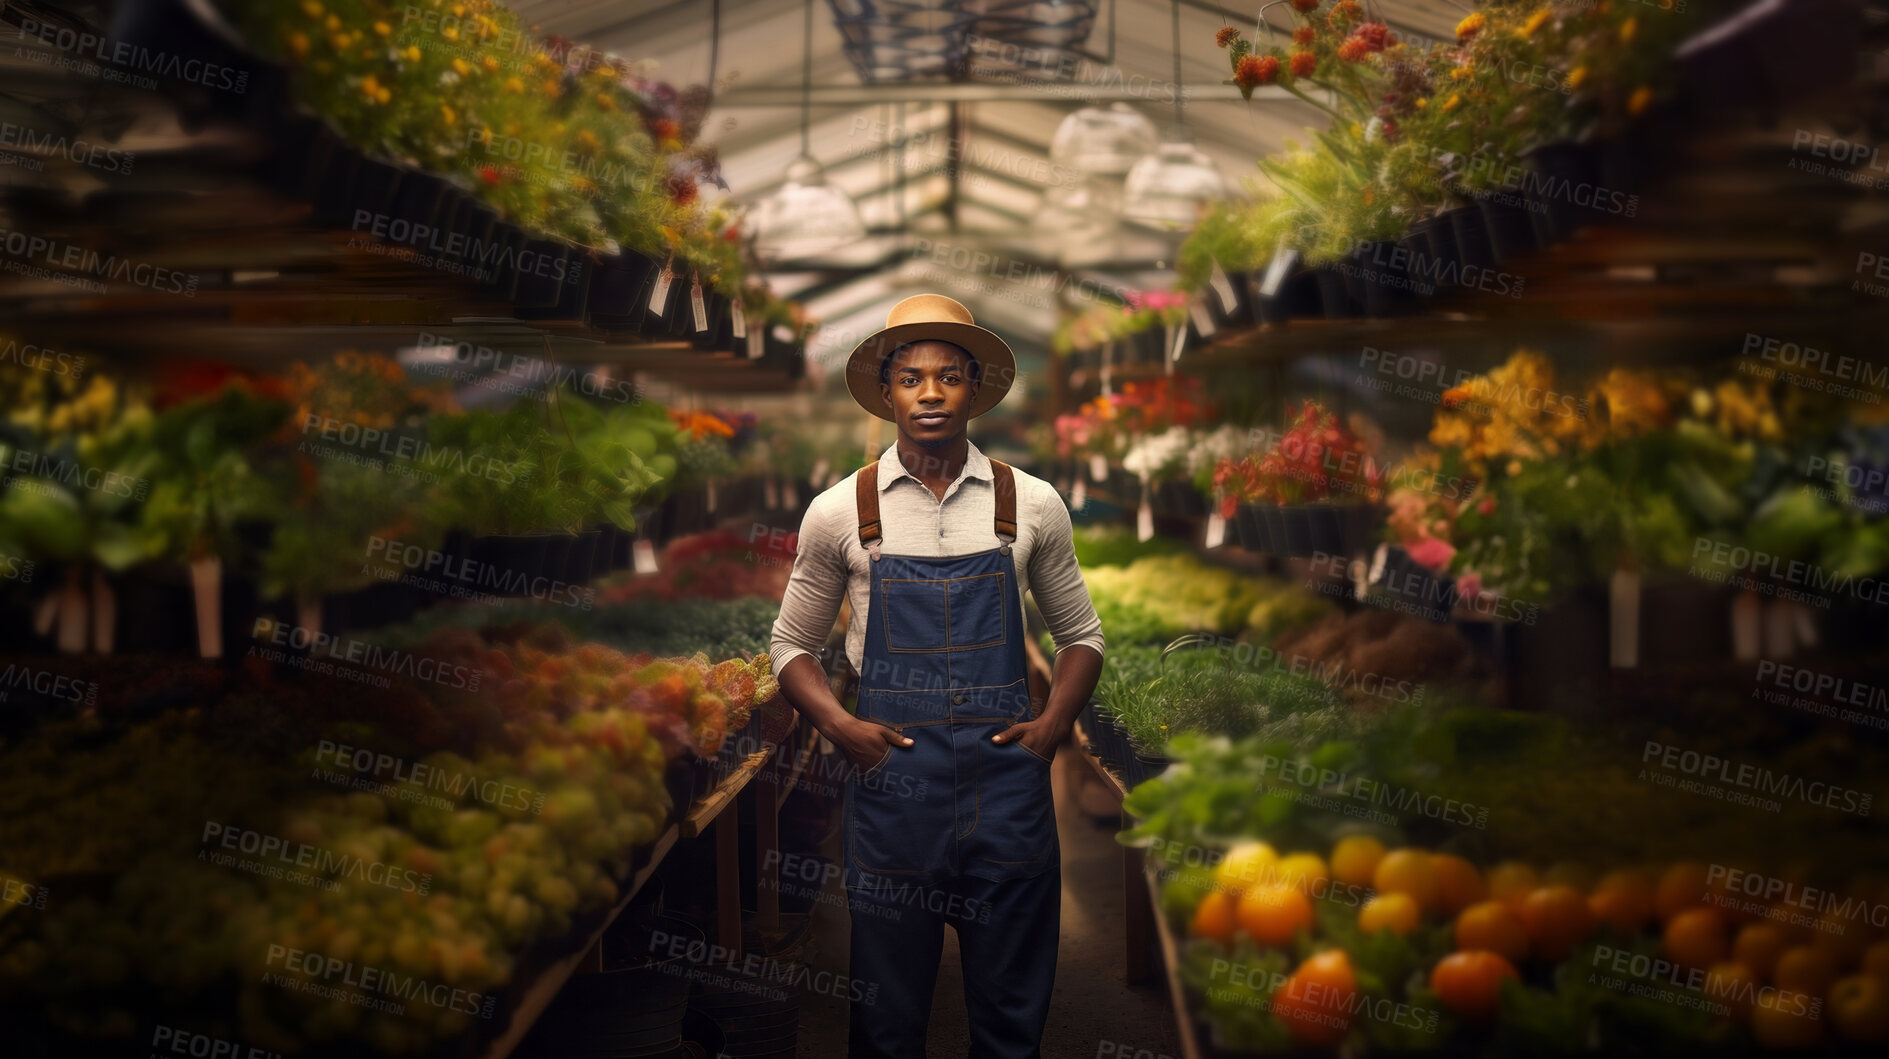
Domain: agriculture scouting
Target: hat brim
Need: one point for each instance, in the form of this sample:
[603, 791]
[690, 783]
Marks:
[997, 366]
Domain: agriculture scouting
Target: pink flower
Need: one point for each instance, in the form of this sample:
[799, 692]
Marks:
[1487, 506]
[1433, 552]
[1469, 586]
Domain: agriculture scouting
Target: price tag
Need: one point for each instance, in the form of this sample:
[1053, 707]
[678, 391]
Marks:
[643, 554]
[1216, 530]
[1282, 262]
[1177, 341]
[699, 306]
[757, 344]
[1144, 522]
[1203, 320]
[659, 294]
[771, 494]
[819, 473]
[1079, 496]
[711, 496]
[739, 321]
[1224, 288]
[1098, 467]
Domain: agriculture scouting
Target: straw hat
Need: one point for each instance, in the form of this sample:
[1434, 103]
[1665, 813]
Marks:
[933, 317]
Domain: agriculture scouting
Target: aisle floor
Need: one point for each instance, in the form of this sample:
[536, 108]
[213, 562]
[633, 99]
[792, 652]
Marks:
[1093, 1012]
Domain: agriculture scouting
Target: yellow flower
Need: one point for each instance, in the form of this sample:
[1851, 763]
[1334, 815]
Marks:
[461, 67]
[1639, 100]
[1577, 77]
[1460, 73]
[550, 86]
[588, 140]
[1627, 29]
[383, 29]
[459, 10]
[312, 8]
[1535, 22]
[1455, 100]
[450, 32]
[1470, 25]
[513, 84]
[413, 53]
[374, 91]
[1422, 101]
[490, 64]
[333, 23]
[446, 114]
[298, 44]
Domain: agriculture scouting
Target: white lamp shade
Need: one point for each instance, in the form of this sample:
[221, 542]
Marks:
[806, 217]
[1078, 220]
[1103, 140]
[1166, 189]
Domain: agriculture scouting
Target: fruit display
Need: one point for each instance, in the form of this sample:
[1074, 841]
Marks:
[1361, 896]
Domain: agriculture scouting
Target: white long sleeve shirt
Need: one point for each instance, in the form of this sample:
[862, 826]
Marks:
[832, 565]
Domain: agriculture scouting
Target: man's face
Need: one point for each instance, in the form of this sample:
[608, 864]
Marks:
[929, 391]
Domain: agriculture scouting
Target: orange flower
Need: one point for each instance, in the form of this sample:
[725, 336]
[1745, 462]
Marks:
[1470, 26]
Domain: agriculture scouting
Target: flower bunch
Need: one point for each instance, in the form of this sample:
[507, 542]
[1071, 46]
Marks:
[364, 389]
[1139, 311]
[1316, 458]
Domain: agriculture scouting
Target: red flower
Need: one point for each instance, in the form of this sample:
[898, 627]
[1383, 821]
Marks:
[1304, 35]
[1353, 49]
[1376, 34]
[681, 189]
[1226, 36]
[1303, 6]
[1303, 63]
[1344, 12]
[664, 129]
[489, 174]
[1256, 70]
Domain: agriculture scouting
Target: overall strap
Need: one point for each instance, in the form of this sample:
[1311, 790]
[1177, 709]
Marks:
[1006, 484]
[868, 503]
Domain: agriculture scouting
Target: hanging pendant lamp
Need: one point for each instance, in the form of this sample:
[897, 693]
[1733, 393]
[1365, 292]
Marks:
[1104, 141]
[807, 216]
[1167, 189]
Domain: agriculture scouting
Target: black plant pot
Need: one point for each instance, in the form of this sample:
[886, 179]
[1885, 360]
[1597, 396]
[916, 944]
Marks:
[1334, 301]
[517, 560]
[571, 283]
[171, 28]
[1147, 766]
[1419, 590]
[542, 267]
[1471, 230]
[619, 290]
[424, 199]
[1298, 298]
[580, 560]
[1561, 177]
[1511, 230]
[504, 242]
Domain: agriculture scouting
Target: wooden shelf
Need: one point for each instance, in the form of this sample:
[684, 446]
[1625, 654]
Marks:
[1171, 960]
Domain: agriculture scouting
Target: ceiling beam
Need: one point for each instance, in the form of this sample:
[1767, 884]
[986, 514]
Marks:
[965, 92]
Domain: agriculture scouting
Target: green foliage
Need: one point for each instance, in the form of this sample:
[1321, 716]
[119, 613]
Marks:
[206, 481]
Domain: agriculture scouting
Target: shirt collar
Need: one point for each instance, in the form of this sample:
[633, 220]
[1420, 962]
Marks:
[976, 465]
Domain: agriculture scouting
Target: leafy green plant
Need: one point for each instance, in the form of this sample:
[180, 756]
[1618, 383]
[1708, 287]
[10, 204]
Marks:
[207, 481]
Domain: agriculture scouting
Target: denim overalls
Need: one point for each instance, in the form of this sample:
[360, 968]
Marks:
[953, 828]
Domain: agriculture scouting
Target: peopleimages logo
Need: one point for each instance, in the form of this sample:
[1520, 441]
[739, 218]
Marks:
[324, 646]
[301, 863]
[168, 1040]
[406, 448]
[1740, 559]
[472, 363]
[126, 59]
[1366, 791]
[1824, 694]
[1812, 369]
[39, 358]
[1675, 761]
[322, 975]
[1814, 905]
[381, 771]
[79, 152]
[44, 682]
[470, 252]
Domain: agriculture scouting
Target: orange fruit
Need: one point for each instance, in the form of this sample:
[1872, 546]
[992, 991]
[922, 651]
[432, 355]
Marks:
[1783, 1021]
[1510, 881]
[1859, 1008]
[1214, 917]
[1305, 872]
[1458, 883]
[1273, 915]
[1843, 937]
[1315, 1002]
[1697, 937]
[1246, 865]
[1805, 969]
[1622, 900]
[1759, 945]
[1354, 859]
[1681, 887]
[1557, 919]
[1876, 960]
[1407, 871]
[1397, 913]
[1490, 926]
[1733, 984]
[1470, 983]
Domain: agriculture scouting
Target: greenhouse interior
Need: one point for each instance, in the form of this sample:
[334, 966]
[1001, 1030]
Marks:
[1411, 481]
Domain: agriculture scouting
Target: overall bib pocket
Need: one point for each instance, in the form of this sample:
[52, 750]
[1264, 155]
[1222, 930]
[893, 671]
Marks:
[945, 614]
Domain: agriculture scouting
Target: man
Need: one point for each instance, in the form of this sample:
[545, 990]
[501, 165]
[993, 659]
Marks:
[949, 817]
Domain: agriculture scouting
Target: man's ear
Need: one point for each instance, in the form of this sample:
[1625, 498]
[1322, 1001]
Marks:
[885, 393]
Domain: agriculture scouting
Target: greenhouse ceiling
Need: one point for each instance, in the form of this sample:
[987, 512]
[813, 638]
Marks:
[951, 173]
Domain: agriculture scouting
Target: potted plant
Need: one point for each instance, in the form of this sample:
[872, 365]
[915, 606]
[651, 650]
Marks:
[1314, 490]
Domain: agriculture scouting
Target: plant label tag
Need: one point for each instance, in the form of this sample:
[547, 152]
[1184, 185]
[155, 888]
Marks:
[757, 344]
[1098, 467]
[699, 306]
[793, 493]
[771, 494]
[1216, 530]
[1282, 262]
[1203, 320]
[1224, 288]
[643, 554]
[819, 473]
[659, 294]
[711, 496]
[1177, 341]
[1144, 522]
[1079, 496]
[739, 321]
